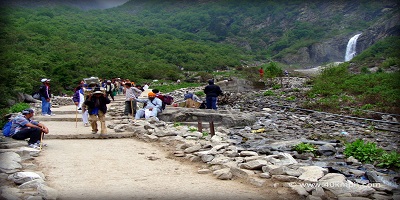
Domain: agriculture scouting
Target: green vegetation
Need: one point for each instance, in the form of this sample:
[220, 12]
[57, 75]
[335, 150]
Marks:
[337, 87]
[269, 93]
[305, 148]
[176, 124]
[200, 94]
[369, 153]
[19, 107]
[192, 129]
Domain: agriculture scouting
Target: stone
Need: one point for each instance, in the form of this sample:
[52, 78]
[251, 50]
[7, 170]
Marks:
[337, 184]
[34, 198]
[22, 177]
[31, 184]
[248, 153]
[381, 197]
[284, 178]
[353, 198]
[357, 173]
[161, 133]
[203, 171]
[326, 150]
[192, 149]
[207, 158]
[10, 193]
[47, 192]
[281, 159]
[311, 197]
[299, 189]
[223, 174]
[254, 165]
[268, 168]
[120, 128]
[280, 170]
[10, 162]
[219, 160]
[319, 192]
[241, 173]
[265, 175]
[27, 152]
[259, 182]
[312, 173]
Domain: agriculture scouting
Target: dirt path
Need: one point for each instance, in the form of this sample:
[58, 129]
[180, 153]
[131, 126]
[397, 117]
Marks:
[131, 169]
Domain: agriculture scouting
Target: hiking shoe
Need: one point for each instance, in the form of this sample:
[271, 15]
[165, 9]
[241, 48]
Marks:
[52, 114]
[38, 144]
[94, 132]
[34, 146]
[46, 115]
[86, 124]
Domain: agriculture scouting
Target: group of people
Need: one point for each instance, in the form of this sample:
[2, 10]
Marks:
[94, 107]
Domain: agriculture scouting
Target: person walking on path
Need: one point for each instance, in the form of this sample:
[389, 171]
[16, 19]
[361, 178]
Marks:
[23, 127]
[45, 94]
[152, 108]
[109, 89]
[97, 107]
[78, 98]
[131, 94]
[212, 92]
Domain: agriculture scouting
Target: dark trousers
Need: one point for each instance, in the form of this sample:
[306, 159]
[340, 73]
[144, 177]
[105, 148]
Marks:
[32, 133]
[111, 94]
[211, 102]
[130, 106]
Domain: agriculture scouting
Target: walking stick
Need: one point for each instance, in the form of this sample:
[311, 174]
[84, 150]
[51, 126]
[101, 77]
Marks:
[41, 140]
[76, 116]
[133, 117]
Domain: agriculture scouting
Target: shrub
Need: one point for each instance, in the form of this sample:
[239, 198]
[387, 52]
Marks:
[388, 160]
[304, 147]
[364, 152]
[19, 107]
[199, 93]
[269, 93]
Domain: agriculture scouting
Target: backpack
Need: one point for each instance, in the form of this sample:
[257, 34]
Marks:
[7, 129]
[36, 95]
[168, 99]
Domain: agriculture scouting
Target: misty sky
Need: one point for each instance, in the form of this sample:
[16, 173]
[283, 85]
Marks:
[110, 3]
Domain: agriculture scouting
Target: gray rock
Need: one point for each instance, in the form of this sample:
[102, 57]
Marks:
[259, 182]
[207, 158]
[223, 174]
[281, 159]
[241, 173]
[22, 177]
[203, 171]
[280, 170]
[255, 164]
[265, 175]
[10, 162]
[34, 198]
[299, 189]
[312, 173]
[47, 192]
[357, 173]
[326, 150]
[219, 160]
[248, 153]
[10, 193]
[337, 184]
[31, 184]
[161, 133]
[192, 149]
[319, 192]
[284, 178]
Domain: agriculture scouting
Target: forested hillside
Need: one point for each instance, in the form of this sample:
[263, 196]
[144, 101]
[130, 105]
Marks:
[153, 39]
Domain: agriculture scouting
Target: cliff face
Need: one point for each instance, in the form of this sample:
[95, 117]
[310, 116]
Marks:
[334, 49]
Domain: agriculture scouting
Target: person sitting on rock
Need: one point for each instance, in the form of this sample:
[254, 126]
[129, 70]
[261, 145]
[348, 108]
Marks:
[152, 108]
[23, 127]
[97, 106]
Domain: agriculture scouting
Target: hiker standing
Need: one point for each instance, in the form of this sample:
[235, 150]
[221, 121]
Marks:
[212, 92]
[45, 94]
[109, 89]
[261, 71]
[97, 107]
[131, 94]
[78, 98]
[23, 127]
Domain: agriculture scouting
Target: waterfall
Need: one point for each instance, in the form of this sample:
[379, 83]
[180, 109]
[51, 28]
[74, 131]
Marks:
[351, 48]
